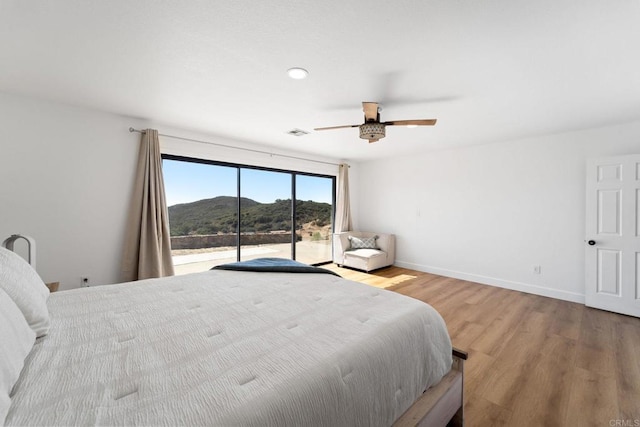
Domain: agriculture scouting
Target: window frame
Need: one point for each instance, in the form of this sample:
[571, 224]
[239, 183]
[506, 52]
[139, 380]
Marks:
[293, 174]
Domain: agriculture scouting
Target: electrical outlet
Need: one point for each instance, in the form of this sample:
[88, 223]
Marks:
[537, 269]
[84, 281]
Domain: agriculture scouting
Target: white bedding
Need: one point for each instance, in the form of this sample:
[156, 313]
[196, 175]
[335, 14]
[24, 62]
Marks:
[231, 348]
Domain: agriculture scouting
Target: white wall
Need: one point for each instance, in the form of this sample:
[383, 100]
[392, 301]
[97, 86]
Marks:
[490, 213]
[181, 147]
[66, 177]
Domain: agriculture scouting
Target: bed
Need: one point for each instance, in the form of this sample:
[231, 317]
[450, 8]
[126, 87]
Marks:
[247, 348]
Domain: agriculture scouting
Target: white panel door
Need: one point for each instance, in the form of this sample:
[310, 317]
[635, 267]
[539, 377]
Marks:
[612, 251]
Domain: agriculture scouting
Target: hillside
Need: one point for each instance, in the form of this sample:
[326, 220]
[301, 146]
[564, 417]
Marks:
[218, 215]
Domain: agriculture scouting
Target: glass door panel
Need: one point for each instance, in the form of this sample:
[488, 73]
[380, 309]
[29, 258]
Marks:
[202, 202]
[314, 201]
[265, 211]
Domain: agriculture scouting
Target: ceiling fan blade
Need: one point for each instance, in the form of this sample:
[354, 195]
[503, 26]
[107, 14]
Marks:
[424, 122]
[373, 140]
[370, 111]
[337, 127]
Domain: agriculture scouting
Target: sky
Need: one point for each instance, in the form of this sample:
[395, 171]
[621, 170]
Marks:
[187, 182]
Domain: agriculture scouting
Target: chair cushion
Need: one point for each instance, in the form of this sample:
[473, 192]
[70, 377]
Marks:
[363, 242]
[364, 253]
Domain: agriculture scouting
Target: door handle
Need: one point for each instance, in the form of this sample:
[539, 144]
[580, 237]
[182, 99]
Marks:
[591, 242]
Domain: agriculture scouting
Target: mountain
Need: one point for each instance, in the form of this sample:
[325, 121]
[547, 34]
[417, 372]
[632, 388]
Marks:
[218, 215]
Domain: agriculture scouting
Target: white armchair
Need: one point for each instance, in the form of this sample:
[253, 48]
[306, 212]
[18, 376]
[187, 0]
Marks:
[364, 259]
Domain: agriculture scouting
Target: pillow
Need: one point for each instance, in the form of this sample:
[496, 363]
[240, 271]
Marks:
[363, 242]
[17, 339]
[21, 282]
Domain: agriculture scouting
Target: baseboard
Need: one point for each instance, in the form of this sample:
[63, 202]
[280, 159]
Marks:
[500, 283]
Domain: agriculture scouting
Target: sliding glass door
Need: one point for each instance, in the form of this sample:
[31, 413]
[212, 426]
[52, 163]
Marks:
[314, 218]
[203, 215]
[265, 212]
[206, 199]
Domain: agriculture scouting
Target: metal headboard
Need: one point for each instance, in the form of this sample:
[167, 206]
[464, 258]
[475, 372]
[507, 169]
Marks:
[31, 243]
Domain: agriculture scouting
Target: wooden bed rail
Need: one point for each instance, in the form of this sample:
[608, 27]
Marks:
[460, 354]
[442, 404]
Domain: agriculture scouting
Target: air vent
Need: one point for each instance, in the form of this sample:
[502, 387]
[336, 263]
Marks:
[297, 132]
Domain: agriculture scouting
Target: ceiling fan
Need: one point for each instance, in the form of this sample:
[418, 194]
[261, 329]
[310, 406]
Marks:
[373, 129]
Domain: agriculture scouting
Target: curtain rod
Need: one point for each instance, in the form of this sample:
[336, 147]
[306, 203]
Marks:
[131, 129]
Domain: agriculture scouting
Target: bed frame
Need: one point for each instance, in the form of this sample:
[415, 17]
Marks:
[442, 404]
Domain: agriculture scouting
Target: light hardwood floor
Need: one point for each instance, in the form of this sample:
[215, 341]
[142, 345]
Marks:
[533, 361]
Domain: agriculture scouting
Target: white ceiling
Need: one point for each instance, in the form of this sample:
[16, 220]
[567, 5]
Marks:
[489, 70]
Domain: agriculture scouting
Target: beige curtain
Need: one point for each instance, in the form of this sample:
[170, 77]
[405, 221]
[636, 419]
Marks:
[147, 251]
[343, 208]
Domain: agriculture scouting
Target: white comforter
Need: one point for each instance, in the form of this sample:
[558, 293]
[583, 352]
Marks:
[231, 348]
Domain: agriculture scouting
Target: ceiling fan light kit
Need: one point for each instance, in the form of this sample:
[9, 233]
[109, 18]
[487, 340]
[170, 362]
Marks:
[373, 129]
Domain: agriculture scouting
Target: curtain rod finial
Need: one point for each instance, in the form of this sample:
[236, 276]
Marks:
[131, 129]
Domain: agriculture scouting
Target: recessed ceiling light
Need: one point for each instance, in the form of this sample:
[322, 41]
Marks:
[297, 73]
